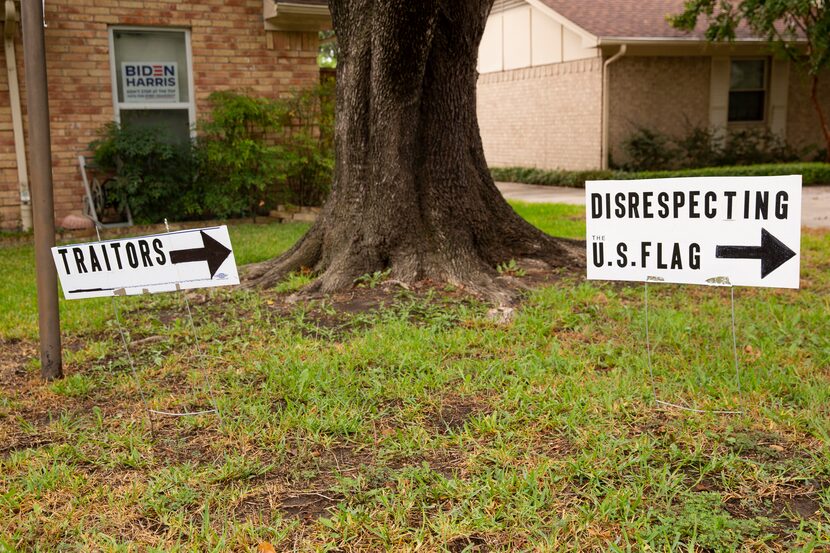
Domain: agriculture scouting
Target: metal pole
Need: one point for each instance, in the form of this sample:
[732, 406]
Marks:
[43, 209]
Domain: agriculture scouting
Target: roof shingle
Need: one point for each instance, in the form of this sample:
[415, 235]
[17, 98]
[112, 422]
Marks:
[630, 18]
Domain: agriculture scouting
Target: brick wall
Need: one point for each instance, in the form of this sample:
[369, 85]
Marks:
[231, 50]
[666, 94]
[546, 116]
[802, 121]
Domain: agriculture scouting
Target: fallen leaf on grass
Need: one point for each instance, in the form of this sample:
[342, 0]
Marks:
[752, 353]
[265, 547]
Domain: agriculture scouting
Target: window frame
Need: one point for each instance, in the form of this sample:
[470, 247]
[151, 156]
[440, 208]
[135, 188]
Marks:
[766, 91]
[190, 105]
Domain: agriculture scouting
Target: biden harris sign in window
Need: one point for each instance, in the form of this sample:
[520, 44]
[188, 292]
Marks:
[150, 81]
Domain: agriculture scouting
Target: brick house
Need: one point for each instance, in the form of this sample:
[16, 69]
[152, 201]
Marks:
[97, 50]
[563, 82]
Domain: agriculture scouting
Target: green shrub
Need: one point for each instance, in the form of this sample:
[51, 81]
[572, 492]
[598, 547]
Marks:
[811, 172]
[308, 146]
[554, 177]
[238, 161]
[251, 154]
[754, 147]
[698, 148]
[256, 152]
[152, 172]
[649, 150]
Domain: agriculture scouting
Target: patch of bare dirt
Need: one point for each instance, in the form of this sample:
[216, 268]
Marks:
[786, 508]
[456, 411]
[307, 506]
[473, 542]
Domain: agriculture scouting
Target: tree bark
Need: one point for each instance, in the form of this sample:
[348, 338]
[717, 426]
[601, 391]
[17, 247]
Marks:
[822, 120]
[412, 192]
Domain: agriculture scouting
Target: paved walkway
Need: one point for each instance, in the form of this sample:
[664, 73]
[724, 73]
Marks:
[815, 200]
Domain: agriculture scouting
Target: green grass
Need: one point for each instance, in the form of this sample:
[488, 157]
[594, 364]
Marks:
[567, 221]
[18, 293]
[422, 424]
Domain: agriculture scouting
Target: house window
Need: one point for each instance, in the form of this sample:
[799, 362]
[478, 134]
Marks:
[747, 90]
[152, 79]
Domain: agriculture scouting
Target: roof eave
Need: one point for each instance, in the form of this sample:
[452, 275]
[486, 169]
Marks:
[288, 16]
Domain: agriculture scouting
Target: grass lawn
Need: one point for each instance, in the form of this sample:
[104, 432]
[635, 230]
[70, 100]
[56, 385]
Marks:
[390, 419]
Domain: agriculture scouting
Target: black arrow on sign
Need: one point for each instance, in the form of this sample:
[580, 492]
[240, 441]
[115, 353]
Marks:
[772, 252]
[212, 251]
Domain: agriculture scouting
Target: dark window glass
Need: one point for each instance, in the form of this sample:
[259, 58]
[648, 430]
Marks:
[747, 75]
[746, 105]
[174, 121]
[747, 90]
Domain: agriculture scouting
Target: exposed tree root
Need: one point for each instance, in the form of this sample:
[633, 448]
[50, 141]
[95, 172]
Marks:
[473, 273]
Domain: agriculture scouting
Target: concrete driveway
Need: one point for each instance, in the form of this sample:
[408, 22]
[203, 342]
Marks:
[815, 200]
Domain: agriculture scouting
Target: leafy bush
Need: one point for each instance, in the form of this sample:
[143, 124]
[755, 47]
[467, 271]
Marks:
[649, 150]
[698, 148]
[309, 146]
[748, 147]
[151, 171]
[811, 172]
[237, 160]
[252, 153]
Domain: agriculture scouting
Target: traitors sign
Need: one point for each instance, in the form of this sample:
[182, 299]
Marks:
[198, 258]
[740, 231]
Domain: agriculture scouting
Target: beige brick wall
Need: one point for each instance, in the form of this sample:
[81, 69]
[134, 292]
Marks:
[802, 121]
[547, 116]
[665, 94]
[231, 50]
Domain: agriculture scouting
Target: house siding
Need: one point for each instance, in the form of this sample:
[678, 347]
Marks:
[231, 50]
[665, 94]
[547, 116]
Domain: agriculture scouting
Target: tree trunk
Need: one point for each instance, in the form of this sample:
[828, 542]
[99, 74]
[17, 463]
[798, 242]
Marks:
[822, 120]
[412, 192]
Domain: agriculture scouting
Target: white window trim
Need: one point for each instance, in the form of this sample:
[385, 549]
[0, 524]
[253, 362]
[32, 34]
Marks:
[766, 90]
[190, 105]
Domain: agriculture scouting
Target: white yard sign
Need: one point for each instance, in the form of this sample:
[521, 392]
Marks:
[156, 81]
[198, 258]
[743, 231]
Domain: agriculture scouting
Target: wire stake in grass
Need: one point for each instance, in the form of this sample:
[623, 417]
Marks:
[659, 402]
[151, 412]
[127, 349]
[213, 402]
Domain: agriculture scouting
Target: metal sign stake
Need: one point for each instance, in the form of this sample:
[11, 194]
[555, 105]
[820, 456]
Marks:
[659, 402]
[201, 351]
[136, 378]
[127, 349]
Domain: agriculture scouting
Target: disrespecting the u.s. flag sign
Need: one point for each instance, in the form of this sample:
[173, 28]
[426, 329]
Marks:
[739, 231]
[197, 258]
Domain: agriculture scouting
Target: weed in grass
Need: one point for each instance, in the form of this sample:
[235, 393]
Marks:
[510, 268]
[294, 282]
[701, 522]
[372, 280]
